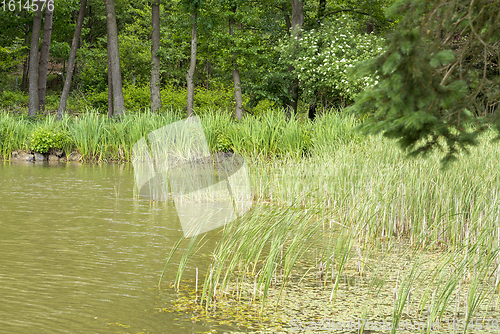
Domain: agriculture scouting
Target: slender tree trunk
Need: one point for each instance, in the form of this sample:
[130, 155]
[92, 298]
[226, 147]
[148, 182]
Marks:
[287, 18]
[24, 81]
[44, 59]
[110, 88]
[34, 107]
[312, 110]
[192, 65]
[111, 107]
[114, 55]
[155, 58]
[297, 16]
[297, 22]
[236, 77]
[237, 93]
[110, 85]
[71, 60]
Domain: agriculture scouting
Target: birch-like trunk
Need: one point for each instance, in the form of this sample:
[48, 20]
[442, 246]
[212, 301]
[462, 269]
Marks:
[110, 89]
[297, 22]
[236, 77]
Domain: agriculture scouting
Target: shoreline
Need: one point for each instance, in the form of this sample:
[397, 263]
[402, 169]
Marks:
[51, 156]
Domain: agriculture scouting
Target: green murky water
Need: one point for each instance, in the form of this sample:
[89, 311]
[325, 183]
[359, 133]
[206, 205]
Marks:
[78, 253]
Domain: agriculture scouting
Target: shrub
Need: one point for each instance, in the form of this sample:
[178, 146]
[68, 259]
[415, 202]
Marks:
[205, 99]
[323, 58]
[43, 139]
[95, 100]
[137, 97]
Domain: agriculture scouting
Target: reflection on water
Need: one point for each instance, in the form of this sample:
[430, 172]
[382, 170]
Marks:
[80, 254]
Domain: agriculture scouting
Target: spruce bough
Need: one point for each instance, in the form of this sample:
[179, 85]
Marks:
[438, 79]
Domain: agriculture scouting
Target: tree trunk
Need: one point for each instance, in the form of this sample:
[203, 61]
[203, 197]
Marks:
[237, 94]
[236, 77]
[114, 56]
[110, 84]
[110, 89]
[71, 60]
[24, 81]
[297, 16]
[155, 58]
[192, 65]
[44, 59]
[287, 17]
[34, 107]
[297, 22]
[312, 110]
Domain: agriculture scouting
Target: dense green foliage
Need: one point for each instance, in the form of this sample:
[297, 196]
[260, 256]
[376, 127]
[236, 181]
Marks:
[322, 60]
[251, 46]
[42, 140]
[438, 79]
[98, 138]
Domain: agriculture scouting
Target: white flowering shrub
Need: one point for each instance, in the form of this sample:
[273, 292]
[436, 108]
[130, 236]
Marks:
[323, 58]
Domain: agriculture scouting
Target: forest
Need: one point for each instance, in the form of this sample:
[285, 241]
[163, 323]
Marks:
[234, 55]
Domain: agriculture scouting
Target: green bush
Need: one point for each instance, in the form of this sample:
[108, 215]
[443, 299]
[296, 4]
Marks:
[220, 98]
[43, 139]
[95, 100]
[62, 140]
[204, 99]
[52, 101]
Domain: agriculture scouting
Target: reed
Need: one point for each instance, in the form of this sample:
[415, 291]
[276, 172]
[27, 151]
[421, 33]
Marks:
[101, 139]
[14, 134]
[362, 200]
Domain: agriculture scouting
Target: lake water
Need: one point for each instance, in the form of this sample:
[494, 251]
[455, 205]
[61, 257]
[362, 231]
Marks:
[80, 254]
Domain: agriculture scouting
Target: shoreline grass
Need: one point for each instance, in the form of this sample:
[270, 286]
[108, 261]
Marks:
[100, 139]
[345, 209]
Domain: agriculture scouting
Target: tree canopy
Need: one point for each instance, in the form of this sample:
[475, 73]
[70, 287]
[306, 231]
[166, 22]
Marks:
[249, 39]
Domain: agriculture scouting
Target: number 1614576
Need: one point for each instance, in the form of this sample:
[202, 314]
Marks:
[27, 5]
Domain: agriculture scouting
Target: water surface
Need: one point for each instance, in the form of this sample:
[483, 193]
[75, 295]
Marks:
[80, 253]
